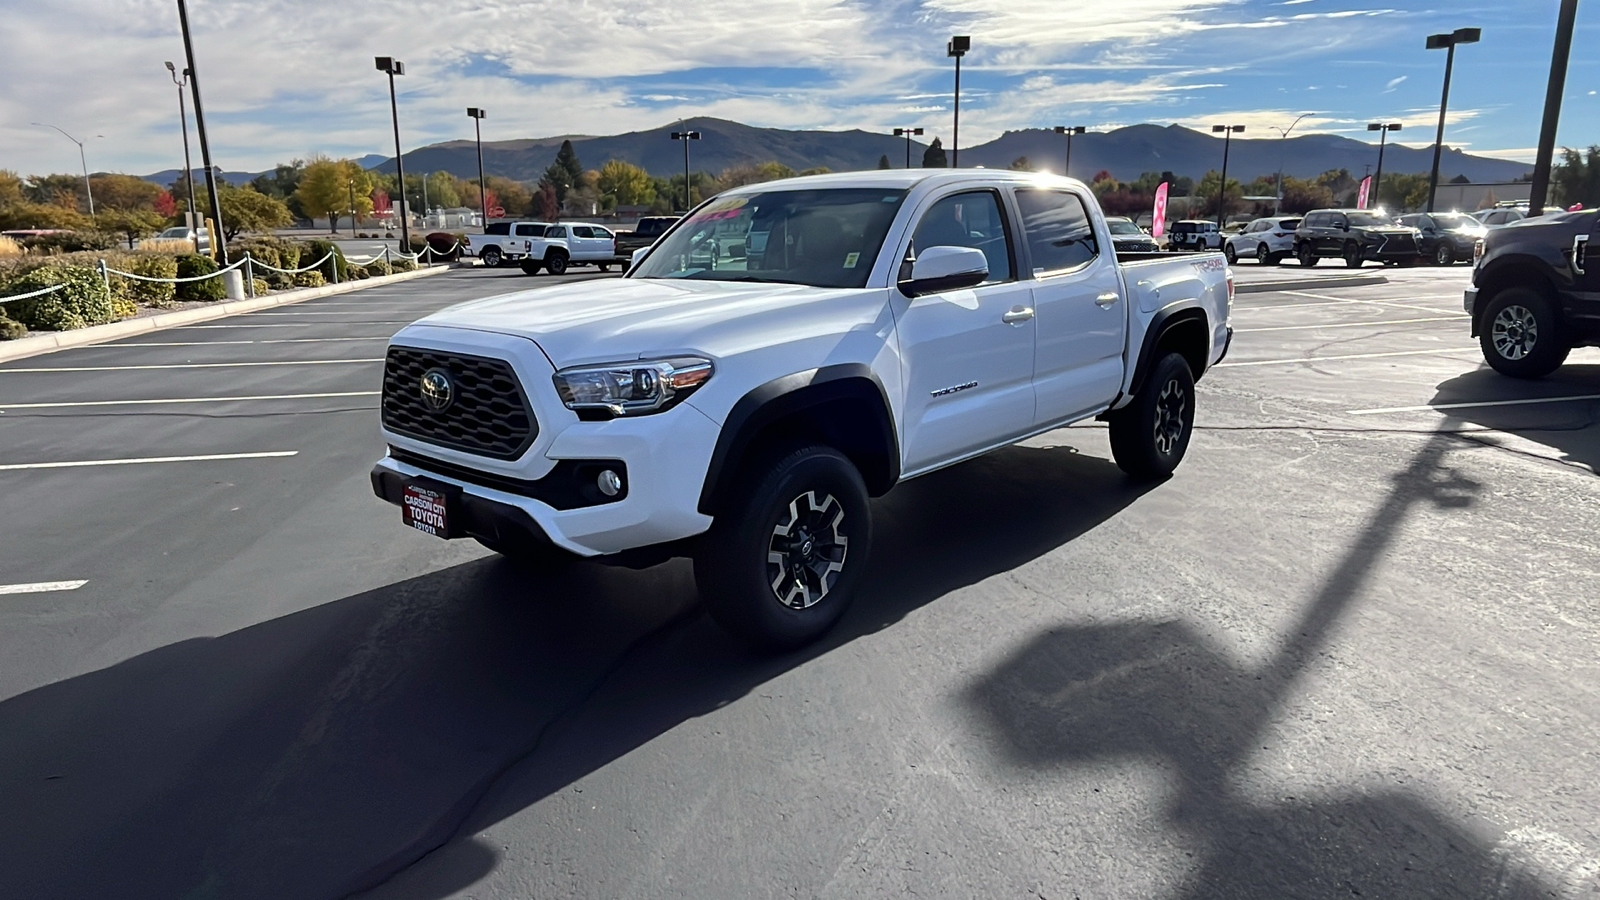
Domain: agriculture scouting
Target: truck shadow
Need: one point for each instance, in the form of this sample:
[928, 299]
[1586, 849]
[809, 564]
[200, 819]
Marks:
[316, 754]
[1569, 427]
[1161, 694]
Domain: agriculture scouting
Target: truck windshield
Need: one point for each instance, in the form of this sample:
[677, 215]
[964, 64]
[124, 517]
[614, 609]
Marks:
[822, 238]
[1123, 227]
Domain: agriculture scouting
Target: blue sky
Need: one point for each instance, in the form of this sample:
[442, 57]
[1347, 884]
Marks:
[290, 78]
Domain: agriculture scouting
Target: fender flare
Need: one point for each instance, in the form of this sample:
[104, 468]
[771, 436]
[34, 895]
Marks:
[791, 394]
[1165, 321]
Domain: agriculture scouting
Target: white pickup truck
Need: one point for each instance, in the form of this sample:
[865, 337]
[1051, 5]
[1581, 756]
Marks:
[785, 352]
[536, 245]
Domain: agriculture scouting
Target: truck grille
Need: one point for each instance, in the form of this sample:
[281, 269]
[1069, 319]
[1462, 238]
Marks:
[1399, 243]
[487, 412]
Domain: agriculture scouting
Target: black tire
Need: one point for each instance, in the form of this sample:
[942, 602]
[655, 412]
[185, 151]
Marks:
[531, 555]
[1264, 256]
[811, 494]
[603, 267]
[491, 257]
[1307, 255]
[556, 263]
[1443, 255]
[1520, 334]
[1150, 435]
[1352, 255]
[530, 267]
[1231, 254]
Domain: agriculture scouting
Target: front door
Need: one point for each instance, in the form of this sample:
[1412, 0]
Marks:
[1081, 312]
[967, 355]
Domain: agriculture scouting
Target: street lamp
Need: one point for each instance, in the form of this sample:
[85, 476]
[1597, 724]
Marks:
[1447, 42]
[1283, 134]
[1559, 56]
[351, 182]
[395, 67]
[182, 81]
[958, 47]
[1069, 131]
[908, 132]
[483, 189]
[1377, 179]
[1227, 132]
[217, 243]
[81, 159]
[686, 137]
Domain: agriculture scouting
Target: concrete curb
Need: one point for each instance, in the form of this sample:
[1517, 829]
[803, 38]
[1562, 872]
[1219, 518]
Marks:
[1306, 284]
[95, 334]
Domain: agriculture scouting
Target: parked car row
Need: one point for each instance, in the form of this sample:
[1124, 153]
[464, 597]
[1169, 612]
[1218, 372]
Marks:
[1357, 236]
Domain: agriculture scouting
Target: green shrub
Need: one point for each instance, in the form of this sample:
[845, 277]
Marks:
[310, 279]
[69, 242]
[84, 300]
[261, 286]
[11, 329]
[403, 265]
[378, 267]
[153, 293]
[192, 265]
[315, 250]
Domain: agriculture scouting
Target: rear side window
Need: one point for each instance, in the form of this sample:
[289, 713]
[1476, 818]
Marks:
[556, 231]
[1057, 224]
[1288, 224]
[498, 228]
[530, 231]
[970, 219]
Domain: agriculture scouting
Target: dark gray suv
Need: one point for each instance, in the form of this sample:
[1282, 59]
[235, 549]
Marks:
[1355, 236]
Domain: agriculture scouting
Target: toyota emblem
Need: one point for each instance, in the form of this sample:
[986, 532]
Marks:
[436, 390]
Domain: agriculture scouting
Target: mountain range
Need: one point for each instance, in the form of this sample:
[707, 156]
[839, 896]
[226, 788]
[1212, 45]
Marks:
[1124, 152]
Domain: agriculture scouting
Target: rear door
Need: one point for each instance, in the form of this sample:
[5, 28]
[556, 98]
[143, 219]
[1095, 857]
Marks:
[968, 371]
[522, 237]
[1078, 303]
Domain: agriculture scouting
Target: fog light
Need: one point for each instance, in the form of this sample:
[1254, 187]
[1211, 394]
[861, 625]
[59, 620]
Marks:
[609, 483]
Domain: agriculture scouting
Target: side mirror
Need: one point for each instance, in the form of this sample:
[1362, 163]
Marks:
[939, 269]
[638, 257]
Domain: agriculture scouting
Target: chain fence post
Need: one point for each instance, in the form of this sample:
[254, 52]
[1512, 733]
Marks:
[249, 277]
[334, 255]
[105, 277]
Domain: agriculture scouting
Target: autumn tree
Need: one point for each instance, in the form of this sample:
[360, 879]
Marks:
[123, 192]
[1576, 179]
[247, 209]
[626, 184]
[546, 201]
[325, 188]
[1207, 190]
[131, 224]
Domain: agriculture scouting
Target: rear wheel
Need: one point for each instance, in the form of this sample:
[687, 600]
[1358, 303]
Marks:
[1150, 435]
[491, 256]
[1443, 255]
[1519, 334]
[604, 267]
[556, 263]
[1308, 255]
[1352, 255]
[781, 562]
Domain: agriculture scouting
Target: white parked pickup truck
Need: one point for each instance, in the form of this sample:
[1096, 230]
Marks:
[536, 245]
[785, 352]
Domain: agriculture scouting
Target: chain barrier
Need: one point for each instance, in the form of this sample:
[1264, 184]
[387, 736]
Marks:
[39, 293]
[217, 274]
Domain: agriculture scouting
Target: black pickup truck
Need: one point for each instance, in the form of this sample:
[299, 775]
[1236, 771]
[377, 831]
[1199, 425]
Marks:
[1535, 293]
[643, 234]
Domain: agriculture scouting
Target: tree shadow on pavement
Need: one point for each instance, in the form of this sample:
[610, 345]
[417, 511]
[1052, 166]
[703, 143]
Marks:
[1162, 694]
[1569, 427]
[316, 754]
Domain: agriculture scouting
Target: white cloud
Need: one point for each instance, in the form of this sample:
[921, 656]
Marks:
[1394, 83]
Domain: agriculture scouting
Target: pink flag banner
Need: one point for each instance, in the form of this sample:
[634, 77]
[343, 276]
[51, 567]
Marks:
[1366, 188]
[1158, 227]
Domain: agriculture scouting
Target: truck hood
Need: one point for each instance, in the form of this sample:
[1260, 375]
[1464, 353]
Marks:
[612, 319]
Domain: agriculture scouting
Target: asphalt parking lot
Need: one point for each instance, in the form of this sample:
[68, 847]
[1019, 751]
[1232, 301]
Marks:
[1348, 650]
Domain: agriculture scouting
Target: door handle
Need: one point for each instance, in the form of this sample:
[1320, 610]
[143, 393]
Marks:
[1017, 315]
[1105, 300]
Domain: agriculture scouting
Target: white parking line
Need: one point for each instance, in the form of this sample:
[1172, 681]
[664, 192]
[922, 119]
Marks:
[292, 324]
[1453, 300]
[79, 463]
[381, 337]
[72, 403]
[1317, 359]
[1440, 406]
[42, 587]
[1354, 324]
[226, 365]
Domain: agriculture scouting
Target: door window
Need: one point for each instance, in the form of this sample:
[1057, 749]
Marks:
[973, 220]
[556, 231]
[1060, 236]
[582, 231]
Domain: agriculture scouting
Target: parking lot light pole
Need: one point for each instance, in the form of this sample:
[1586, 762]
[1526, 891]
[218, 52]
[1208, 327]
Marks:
[1552, 106]
[183, 121]
[351, 183]
[216, 241]
[686, 137]
[1383, 136]
[1069, 131]
[1283, 135]
[82, 160]
[1448, 43]
[395, 67]
[908, 132]
[958, 47]
[1227, 132]
[477, 115]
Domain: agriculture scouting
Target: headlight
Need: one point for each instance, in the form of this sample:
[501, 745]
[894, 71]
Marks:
[631, 388]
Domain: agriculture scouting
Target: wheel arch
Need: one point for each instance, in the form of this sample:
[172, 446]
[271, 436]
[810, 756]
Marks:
[1521, 271]
[843, 406]
[1186, 331]
[557, 251]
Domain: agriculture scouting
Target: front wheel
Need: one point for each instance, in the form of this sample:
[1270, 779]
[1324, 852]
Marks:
[1352, 255]
[1443, 255]
[1264, 256]
[604, 267]
[556, 263]
[1231, 254]
[1519, 334]
[782, 559]
[1150, 435]
[1308, 255]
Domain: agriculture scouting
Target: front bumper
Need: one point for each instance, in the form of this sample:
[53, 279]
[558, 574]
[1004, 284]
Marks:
[1386, 251]
[1469, 303]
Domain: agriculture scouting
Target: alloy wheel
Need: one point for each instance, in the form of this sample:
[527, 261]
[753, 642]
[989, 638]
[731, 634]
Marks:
[1514, 332]
[1170, 404]
[806, 552]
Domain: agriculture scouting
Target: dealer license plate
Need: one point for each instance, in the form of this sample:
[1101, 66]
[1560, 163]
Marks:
[425, 509]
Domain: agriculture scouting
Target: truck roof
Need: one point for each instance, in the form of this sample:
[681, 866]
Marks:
[904, 179]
